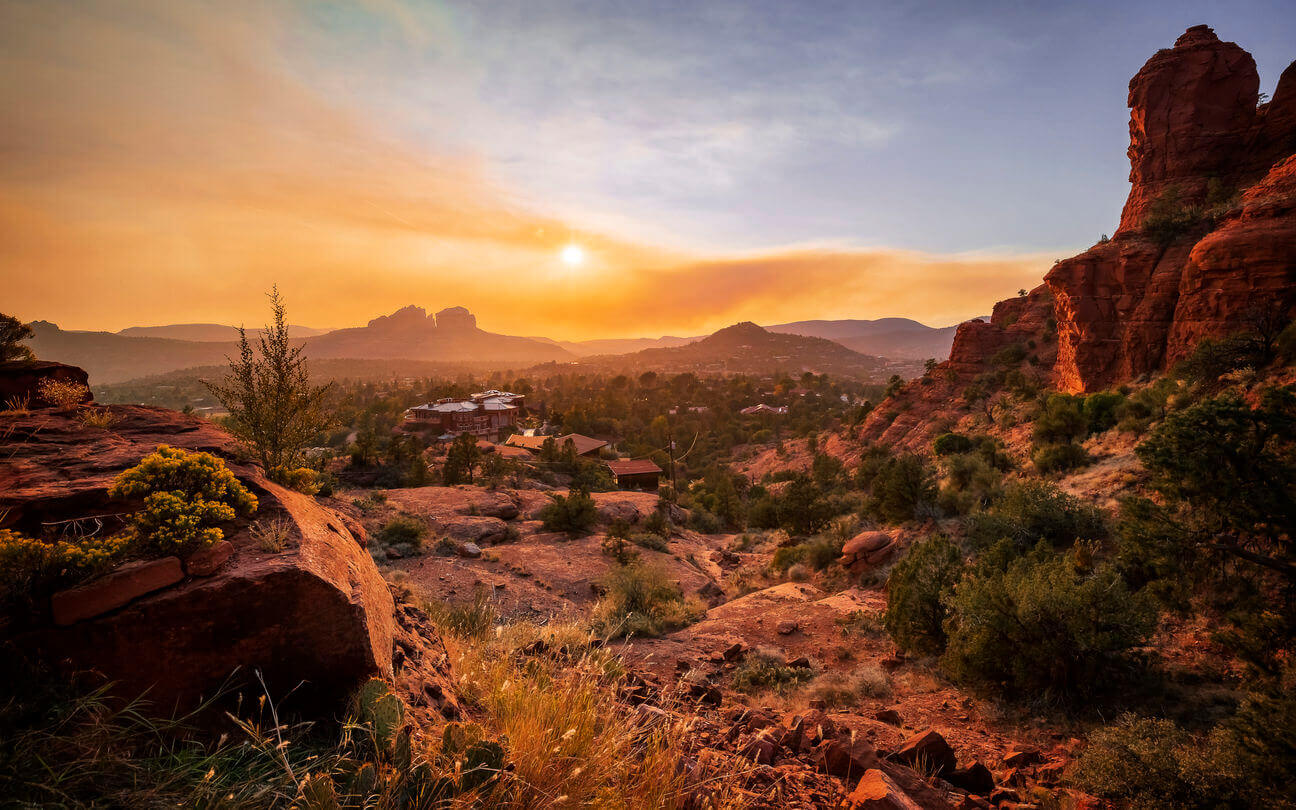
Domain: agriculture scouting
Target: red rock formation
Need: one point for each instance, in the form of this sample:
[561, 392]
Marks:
[316, 615]
[21, 380]
[1135, 305]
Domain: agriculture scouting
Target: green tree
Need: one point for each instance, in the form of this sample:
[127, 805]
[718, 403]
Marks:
[461, 460]
[273, 407]
[12, 334]
[1043, 623]
[918, 590]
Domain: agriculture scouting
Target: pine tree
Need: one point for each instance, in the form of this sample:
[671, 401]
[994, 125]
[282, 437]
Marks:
[273, 408]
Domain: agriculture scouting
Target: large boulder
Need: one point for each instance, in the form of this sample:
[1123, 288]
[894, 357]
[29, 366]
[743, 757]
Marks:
[316, 617]
[867, 550]
[21, 381]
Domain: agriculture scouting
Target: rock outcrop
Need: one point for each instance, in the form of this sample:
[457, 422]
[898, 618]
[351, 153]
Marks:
[315, 617]
[1140, 302]
[21, 381]
[1206, 245]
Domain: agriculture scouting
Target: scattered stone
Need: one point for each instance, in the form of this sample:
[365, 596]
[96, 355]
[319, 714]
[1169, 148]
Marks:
[1022, 757]
[470, 550]
[800, 662]
[976, 778]
[787, 627]
[876, 791]
[205, 562]
[927, 747]
[889, 716]
[1003, 795]
[733, 652]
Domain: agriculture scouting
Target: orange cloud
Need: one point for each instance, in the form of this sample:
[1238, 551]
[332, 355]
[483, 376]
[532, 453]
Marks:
[161, 170]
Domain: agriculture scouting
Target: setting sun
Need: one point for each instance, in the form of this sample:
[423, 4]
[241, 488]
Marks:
[573, 255]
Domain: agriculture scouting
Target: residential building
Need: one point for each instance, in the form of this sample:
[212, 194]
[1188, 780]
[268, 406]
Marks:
[483, 414]
[640, 473]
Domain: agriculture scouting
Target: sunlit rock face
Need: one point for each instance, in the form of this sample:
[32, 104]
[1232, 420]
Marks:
[456, 319]
[1198, 142]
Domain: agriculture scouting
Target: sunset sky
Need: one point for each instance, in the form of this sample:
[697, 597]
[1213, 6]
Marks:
[166, 161]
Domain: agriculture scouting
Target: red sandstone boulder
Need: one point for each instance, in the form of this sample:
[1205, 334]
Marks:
[928, 748]
[867, 550]
[876, 791]
[317, 616]
[20, 381]
[115, 589]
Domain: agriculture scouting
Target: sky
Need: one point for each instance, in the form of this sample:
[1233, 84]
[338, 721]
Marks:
[166, 161]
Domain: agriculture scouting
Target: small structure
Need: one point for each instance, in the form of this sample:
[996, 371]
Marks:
[639, 473]
[585, 445]
[482, 414]
[777, 410]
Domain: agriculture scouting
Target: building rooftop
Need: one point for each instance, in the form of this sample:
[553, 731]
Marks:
[584, 444]
[635, 466]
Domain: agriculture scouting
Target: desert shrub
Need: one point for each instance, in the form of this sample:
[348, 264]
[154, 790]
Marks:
[61, 393]
[817, 553]
[765, 671]
[300, 479]
[1247, 760]
[970, 483]
[1061, 421]
[639, 600]
[917, 592]
[799, 573]
[1053, 458]
[403, 530]
[31, 568]
[1100, 410]
[617, 543]
[1043, 625]
[1213, 359]
[949, 444]
[187, 496]
[843, 690]
[648, 540]
[575, 513]
[658, 523]
[1032, 511]
[902, 489]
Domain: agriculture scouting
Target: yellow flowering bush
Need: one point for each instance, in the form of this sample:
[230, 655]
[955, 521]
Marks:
[187, 496]
[30, 567]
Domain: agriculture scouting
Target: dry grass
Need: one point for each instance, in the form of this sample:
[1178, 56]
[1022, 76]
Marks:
[272, 534]
[100, 418]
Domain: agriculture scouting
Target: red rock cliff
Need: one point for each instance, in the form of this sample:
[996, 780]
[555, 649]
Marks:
[1204, 152]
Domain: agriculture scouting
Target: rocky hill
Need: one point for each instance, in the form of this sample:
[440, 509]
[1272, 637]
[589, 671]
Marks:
[451, 335]
[1206, 247]
[897, 338]
[748, 348]
[210, 332]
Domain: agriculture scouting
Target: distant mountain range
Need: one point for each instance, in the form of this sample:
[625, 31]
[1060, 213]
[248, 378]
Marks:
[451, 336]
[210, 332]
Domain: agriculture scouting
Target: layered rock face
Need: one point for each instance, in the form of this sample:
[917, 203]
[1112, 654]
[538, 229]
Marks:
[21, 381]
[1135, 305]
[315, 617]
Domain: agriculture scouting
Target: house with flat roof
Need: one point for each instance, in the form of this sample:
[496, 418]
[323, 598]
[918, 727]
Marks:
[482, 414]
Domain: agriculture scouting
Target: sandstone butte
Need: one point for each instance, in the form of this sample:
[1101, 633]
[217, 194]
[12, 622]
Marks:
[1133, 305]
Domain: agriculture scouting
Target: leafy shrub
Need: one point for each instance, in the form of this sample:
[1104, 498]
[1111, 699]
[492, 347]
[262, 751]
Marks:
[971, 483]
[639, 600]
[917, 592]
[1042, 625]
[817, 553]
[300, 479]
[405, 530]
[574, 514]
[1033, 511]
[1061, 421]
[799, 573]
[617, 543]
[1053, 458]
[841, 690]
[949, 444]
[902, 489]
[31, 568]
[1100, 410]
[187, 496]
[764, 671]
[658, 523]
[1248, 760]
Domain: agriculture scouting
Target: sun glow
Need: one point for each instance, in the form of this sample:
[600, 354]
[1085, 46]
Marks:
[573, 255]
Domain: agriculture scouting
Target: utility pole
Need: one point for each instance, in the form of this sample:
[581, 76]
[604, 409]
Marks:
[670, 449]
